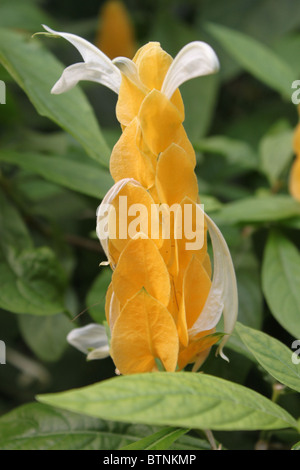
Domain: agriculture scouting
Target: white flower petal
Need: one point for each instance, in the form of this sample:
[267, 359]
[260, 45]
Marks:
[102, 213]
[99, 353]
[92, 336]
[96, 65]
[194, 60]
[223, 295]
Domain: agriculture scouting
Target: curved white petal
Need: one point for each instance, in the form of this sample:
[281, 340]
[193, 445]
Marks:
[99, 353]
[96, 65]
[90, 337]
[103, 213]
[81, 71]
[223, 295]
[194, 60]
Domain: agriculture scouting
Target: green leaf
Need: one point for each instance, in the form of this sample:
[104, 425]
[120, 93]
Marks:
[259, 209]
[13, 230]
[46, 336]
[39, 427]
[281, 281]
[161, 440]
[235, 151]
[272, 355]
[249, 289]
[276, 151]
[296, 446]
[32, 282]
[182, 399]
[83, 178]
[256, 58]
[36, 70]
[95, 300]
[187, 442]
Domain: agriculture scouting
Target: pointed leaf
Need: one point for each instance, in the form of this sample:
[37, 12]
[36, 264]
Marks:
[274, 356]
[281, 281]
[255, 57]
[182, 399]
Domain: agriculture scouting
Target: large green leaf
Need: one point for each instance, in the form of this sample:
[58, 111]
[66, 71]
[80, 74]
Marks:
[39, 427]
[161, 440]
[256, 58]
[259, 209]
[36, 70]
[46, 336]
[83, 178]
[274, 356]
[181, 399]
[281, 281]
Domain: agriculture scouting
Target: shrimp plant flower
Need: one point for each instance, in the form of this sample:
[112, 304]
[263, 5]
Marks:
[163, 303]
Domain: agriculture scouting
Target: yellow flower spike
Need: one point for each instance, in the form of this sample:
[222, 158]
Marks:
[127, 161]
[162, 303]
[141, 265]
[115, 36]
[144, 331]
[183, 183]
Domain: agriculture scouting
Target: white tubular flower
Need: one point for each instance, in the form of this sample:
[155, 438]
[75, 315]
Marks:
[223, 295]
[97, 67]
[193, 60]
[91, 340]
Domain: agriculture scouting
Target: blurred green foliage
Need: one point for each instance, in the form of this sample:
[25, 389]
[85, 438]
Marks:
[54, 156]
